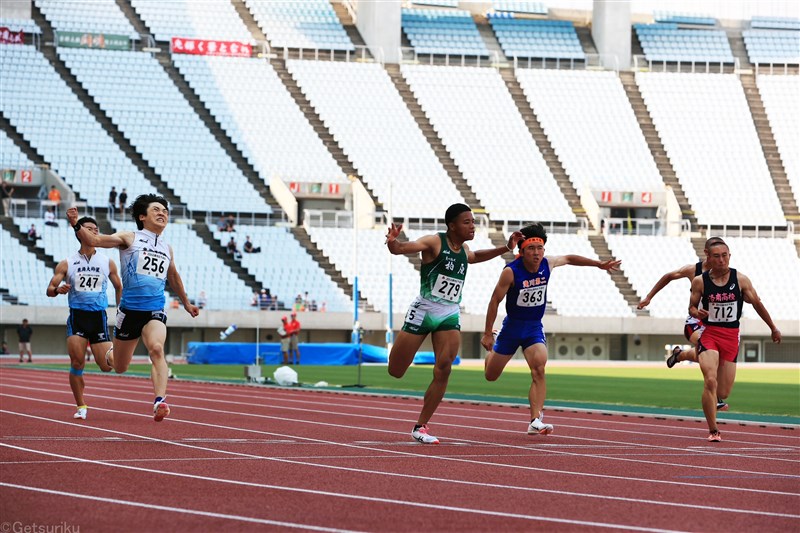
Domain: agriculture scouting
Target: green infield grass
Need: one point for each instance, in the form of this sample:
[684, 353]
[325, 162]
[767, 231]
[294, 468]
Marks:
[757, 390]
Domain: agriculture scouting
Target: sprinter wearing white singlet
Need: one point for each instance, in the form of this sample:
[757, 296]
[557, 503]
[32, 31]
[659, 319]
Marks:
[147, 263]
[85, 276]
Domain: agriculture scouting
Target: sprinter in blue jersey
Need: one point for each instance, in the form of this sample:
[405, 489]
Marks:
[85, 276]
[523, 284]
[146, 263]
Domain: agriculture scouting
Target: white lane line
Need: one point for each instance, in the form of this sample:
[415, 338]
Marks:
[256, 394]
[360, 498]
[708, 451]
[178, 510]
[399, 453]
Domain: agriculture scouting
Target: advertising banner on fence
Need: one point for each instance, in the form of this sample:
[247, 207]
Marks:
[303, 189]
[204, 47]
[11, 37]
[106, 41]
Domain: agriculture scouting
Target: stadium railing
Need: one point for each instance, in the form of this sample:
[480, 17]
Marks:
[592, 61]
[640, 62]
[410, 55]
[362, 54]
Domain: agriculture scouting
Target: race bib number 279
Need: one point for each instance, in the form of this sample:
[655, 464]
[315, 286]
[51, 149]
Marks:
[448, 288]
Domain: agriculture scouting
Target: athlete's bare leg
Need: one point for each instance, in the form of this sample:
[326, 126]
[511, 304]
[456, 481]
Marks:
[99, 352]
[536, 356]
[445, 348]
[154, 334]
[76, 348]
[403, 351]
[709, 365]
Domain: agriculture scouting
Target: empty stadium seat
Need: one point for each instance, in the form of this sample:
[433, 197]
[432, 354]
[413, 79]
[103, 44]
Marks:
[362, 109]
[666, 42]
[590, 123]
[309, 24]
[779, 94]
[706, 127]
[443, 32]
[548, 39]
[186, 18]
[479, 124]
[137, 94]
[99, 16]
[265, 124]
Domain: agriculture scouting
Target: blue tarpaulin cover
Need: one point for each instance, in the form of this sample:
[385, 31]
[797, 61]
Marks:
[244, 353]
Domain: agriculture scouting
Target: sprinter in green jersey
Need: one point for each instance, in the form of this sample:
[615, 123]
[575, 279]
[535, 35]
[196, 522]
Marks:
[445, 258]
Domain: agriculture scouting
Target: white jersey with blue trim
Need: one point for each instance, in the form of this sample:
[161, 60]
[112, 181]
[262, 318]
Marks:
[144, 266]
[88, 280]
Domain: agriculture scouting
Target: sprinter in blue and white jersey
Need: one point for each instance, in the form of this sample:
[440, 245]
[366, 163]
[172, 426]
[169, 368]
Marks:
[523, 284]
[147, 264]
[85, 276]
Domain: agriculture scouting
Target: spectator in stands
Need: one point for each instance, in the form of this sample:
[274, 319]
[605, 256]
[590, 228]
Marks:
[722, 291]
[221, 224]
[294, 330]
[112, 201]
[142, 306]
[323, 307]
[7, 193]
[54, 196]
[233, 249]
[312, 306]
[264, 300]
[33, 236]
[4, 348]
[24, 333]
[298, 303]
[50, 218]
[249, 248]
[202, 301]
[283, 333]
[230, 224]
[523, 284]
[436, 310]
[123, 198]
[254, 300]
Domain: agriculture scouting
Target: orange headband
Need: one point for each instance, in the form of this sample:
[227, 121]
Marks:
[529, 241]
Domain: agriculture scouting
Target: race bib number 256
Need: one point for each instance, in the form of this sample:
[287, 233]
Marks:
[151, 264]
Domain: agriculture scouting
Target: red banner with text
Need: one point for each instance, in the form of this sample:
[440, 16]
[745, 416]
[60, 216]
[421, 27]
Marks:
[204, 47]
[11, 37]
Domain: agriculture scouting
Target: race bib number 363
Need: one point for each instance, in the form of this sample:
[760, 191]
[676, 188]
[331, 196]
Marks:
[448, 288]
[152, 264]
[88, 283]
[532, 297]
[722, 312]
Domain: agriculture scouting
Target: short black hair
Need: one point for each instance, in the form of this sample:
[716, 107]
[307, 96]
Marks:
[81, 222]
[141, 204]
[533, 230]
[453, 211]
[712, 241]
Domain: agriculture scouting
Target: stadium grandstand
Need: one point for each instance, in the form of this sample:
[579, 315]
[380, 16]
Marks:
[304, 128]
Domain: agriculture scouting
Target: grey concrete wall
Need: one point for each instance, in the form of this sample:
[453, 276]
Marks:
[611, 31]
[378, 23]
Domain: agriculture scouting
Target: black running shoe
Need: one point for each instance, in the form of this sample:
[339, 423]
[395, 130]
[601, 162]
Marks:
[673, 359]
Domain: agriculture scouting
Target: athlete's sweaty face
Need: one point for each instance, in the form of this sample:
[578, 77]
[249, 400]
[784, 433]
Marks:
[534, 252]
[91, 227]
[157, 216]
[719, 257]
[463, 227]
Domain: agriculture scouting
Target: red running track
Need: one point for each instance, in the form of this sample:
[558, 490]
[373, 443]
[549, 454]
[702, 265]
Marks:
[241, 458]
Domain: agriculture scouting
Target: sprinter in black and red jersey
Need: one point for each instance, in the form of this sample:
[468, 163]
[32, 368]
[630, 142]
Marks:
[723, 292]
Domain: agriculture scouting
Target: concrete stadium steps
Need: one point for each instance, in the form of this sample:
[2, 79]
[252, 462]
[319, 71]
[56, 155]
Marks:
[770, 148]
[654, 143]
[620, 279]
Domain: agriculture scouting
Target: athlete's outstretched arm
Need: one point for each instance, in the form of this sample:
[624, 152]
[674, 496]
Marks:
[751, 297]
[500, 291]
[55, 288]
[176, 284]
[121, 239]
[113, 277]
[479, 256]
[686, 271]
[423, 244]
[578, 260]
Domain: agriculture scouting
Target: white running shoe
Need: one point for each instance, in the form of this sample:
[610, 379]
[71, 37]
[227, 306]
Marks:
[80, 413]
[160, 411]
[421, 435]
[536, 427]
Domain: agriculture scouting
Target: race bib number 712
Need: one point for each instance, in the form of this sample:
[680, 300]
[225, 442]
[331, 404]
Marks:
[722, 312]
